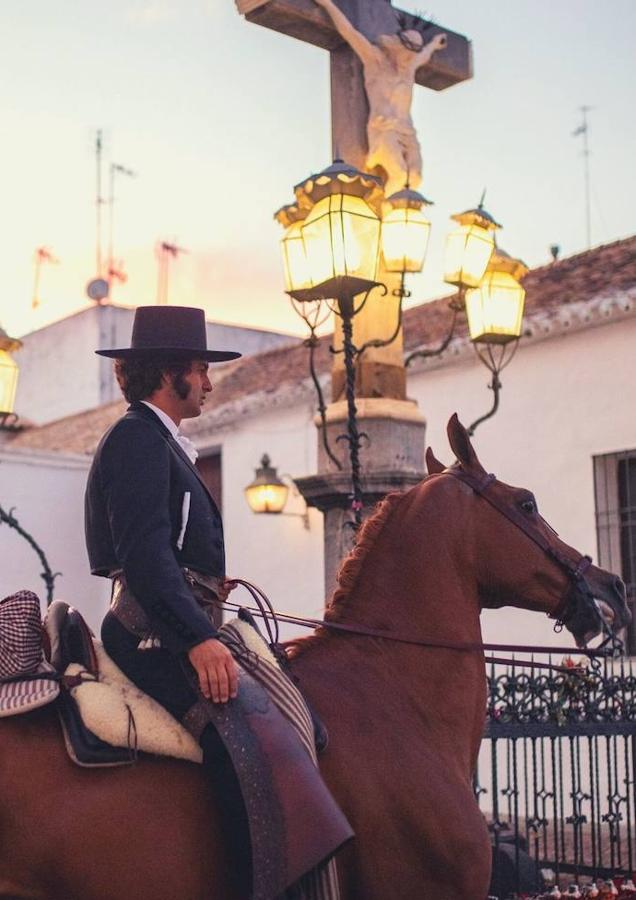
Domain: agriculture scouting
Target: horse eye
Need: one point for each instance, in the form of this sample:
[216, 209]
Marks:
[529, 506]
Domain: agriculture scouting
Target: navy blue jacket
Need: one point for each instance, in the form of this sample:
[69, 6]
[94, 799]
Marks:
[134, 506]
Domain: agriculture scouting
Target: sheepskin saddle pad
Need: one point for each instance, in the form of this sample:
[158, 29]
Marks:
[119, 714]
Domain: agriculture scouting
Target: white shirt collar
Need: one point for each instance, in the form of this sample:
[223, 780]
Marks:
[170, 424]
[185, 443]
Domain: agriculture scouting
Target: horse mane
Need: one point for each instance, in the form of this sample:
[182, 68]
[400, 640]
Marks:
[349, 571]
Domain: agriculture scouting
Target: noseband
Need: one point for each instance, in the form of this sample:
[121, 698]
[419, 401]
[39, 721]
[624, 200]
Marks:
[574, 569]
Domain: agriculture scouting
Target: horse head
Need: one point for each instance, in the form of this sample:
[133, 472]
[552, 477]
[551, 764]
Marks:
[520, 559]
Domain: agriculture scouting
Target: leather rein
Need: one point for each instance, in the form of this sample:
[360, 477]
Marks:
[575, 570]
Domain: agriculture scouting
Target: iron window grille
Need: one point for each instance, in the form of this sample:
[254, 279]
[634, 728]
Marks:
[615, 500]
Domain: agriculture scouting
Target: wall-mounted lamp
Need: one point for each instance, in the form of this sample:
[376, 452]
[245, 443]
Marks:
[267, 493]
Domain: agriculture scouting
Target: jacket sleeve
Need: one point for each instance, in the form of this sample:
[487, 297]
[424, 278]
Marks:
[135, 480]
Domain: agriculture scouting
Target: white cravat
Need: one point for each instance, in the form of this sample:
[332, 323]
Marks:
[188, 447]
[184, 442]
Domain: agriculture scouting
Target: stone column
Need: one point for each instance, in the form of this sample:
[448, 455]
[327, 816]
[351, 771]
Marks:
[392, 457]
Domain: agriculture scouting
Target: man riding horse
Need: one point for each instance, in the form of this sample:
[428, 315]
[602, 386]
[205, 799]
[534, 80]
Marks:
[153, 527]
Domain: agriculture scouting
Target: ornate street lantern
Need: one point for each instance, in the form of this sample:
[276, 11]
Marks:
[340, 232]
[495, 308]
[267, 493]
[405, 232]
[8, 377]
[469, 247]
[292, 248]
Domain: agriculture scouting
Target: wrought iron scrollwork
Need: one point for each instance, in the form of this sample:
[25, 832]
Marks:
[560, 782]
[47, 574]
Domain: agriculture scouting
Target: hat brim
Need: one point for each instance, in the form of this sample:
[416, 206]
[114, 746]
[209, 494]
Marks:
[170, 353]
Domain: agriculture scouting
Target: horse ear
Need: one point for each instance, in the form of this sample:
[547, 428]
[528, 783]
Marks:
[460, 444]
[433, 465]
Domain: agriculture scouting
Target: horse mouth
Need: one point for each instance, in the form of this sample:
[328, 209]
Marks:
[601, 615]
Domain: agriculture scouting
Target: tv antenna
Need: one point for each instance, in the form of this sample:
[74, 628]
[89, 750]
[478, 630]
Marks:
[114, 271]
[166, 251]
[98, 287]
[583, 131]
[41, 256]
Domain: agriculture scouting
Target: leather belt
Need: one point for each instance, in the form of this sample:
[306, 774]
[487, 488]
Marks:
[128, 610]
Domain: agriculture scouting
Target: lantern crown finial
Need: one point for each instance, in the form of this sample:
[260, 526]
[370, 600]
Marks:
[407, 198]
[339, 178]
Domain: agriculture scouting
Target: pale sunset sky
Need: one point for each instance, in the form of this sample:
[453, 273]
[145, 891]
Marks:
[220, 118]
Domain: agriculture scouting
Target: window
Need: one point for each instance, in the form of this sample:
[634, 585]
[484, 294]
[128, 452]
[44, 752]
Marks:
[615, 497]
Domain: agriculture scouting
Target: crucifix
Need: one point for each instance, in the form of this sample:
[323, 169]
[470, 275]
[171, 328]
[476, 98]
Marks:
[378, 53]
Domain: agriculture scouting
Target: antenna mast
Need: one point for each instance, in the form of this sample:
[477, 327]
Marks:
[165, 252]
[583, 130]
[98, 201]
[112, 271]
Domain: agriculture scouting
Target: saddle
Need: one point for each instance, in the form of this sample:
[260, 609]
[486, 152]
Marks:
[70, 648]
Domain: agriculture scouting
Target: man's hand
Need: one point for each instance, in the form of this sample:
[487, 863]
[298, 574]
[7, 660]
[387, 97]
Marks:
[216, 670]
[225, 588]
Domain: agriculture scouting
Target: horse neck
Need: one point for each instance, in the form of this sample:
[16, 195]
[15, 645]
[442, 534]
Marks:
[417, 577]
[416, 580]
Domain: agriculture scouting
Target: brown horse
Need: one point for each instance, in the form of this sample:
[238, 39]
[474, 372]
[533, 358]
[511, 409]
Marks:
[405, 721]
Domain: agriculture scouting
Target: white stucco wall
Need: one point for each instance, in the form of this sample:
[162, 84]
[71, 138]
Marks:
[47, 492]
[275, 552]
[53, 382]
[60, 374]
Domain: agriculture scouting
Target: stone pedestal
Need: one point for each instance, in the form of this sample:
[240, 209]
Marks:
[392, 457]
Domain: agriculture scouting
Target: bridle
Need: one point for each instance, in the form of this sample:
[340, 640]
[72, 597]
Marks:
[574, 569]
[578, 588]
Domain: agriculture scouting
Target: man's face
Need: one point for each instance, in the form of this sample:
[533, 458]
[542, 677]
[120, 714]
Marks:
[198, 385]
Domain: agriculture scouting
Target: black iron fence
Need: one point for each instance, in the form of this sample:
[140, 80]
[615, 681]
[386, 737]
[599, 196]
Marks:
[557, 774]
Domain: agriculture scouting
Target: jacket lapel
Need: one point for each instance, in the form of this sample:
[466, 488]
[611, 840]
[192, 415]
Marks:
[176, 448]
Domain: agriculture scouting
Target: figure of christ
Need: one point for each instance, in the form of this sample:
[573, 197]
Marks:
[389, 66]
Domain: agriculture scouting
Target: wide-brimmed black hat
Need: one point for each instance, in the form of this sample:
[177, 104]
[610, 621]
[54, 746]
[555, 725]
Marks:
[175, 332]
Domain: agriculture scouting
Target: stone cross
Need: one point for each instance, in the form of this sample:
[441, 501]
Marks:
[304, 20]
[380, 372]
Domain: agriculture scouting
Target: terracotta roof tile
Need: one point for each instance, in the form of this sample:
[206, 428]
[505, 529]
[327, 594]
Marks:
[603, 270]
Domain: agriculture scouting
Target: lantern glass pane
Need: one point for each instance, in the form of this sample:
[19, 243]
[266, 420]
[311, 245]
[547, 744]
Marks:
[267, 498]
[495, 309]
[8, 382]
[405, 234]
[468, 250]
[341, 235]
[294, 261]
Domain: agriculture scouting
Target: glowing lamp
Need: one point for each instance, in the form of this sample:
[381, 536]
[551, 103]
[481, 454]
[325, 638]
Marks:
[267, 493]
[340, 233]
[8, 374]
[405, 232]
[495, 308]
[469, 247]
[293, 249]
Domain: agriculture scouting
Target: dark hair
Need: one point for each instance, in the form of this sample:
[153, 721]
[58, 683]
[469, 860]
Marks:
[140, 378]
